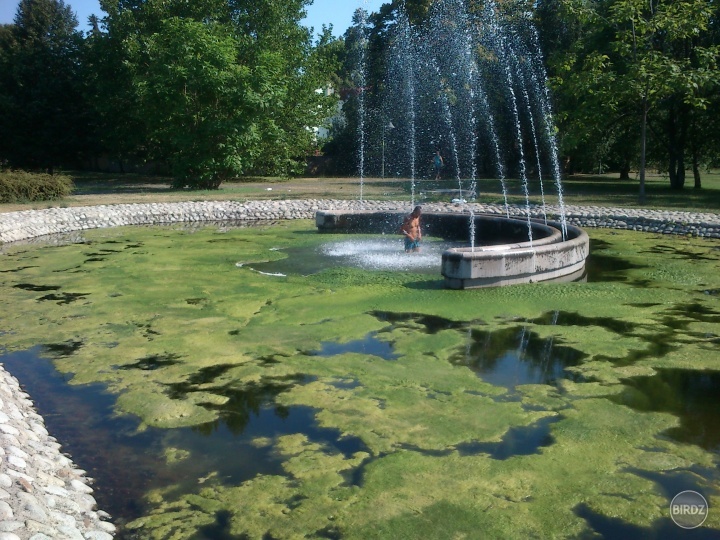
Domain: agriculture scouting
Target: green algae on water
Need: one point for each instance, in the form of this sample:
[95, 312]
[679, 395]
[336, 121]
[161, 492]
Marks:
[188, 334]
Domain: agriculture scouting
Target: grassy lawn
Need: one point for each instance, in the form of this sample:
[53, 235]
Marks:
[591, 190]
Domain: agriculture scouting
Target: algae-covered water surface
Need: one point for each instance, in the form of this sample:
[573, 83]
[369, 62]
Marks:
[220, 384]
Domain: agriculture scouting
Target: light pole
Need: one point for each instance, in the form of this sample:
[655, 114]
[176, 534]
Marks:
[388, 125]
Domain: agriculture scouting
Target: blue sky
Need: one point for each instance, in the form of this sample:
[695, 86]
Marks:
[335, 12]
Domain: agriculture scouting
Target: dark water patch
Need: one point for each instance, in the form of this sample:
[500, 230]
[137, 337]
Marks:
[242, 401]
[95, 259]
[65, 348]
[518, 441]
[693, 396]
[432, 323]
[219, 530]
[209, 374]
[268, 420]
[330, 533]
[566, 318]
[270, 360]
[153, 362]
[642, 283]
[355, 477]
[517, 356]
[661, 529]
[19, 269]
[63, 298]
[227, 241]
[147, 330]
[36, 288]
[102, 253]
[603, 267]
[106, 445]
[314, 323]
[681, 315]
[658, 345]
[75, 270]
[673, 482]
[127, 463]
[345, 384]
[431, 452]
[370, 345]
[711, 292]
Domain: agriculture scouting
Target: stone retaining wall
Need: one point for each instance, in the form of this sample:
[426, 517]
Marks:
[28, 224]
[43, 495]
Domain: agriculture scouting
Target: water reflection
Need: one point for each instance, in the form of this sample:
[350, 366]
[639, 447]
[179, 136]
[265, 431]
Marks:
[604, 267]
[516, 356]
[370, 345]
[108, 445]
[518, 441]
[432, 323]
[661, 529]
[567, 318]
[693, 396]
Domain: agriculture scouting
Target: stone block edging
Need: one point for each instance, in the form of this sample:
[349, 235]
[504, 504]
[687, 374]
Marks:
[27, 224]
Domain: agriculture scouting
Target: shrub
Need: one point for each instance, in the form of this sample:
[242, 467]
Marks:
[22, 186]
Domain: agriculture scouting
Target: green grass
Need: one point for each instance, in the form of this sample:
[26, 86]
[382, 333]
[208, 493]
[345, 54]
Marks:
[607, 190]
[581, 190]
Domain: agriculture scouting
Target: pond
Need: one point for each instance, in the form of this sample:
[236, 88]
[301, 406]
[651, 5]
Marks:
[270, 382]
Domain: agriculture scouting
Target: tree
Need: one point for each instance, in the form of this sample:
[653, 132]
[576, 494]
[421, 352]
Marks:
[636, 63]
[43, 117]
[220, 88]
[196, 106]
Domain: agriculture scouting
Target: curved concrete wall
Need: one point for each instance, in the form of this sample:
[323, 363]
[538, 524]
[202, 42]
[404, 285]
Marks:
[509, 265]
[503, 255]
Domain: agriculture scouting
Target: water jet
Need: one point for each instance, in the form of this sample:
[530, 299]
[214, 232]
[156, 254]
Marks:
[501, 253]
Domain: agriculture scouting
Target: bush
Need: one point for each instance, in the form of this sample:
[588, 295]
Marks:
[22, 186]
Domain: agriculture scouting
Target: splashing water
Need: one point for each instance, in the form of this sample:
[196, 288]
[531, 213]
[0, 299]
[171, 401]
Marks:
[360, 81]
[386, 254]
[472, 82]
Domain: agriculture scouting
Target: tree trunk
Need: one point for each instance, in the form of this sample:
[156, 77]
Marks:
[625, 170]
[643, 141]
[677, 130]
[696, 171]
[677, 171]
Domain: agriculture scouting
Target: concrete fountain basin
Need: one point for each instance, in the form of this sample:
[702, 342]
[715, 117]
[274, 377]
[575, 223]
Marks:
[499, 254]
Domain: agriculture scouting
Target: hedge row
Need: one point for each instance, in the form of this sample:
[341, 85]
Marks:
[22, 186]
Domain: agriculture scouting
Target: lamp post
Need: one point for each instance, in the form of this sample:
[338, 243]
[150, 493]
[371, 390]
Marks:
[388, 125]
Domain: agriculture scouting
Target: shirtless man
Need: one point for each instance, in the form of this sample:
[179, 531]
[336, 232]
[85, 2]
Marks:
[411, 229]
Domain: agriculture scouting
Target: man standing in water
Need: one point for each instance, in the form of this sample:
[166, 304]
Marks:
[411, 229]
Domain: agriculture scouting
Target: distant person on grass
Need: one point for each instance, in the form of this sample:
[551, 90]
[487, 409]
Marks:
[411, 229]
[438, 162]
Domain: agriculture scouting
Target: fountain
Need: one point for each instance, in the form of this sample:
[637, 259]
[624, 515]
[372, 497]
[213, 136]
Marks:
[474, 83]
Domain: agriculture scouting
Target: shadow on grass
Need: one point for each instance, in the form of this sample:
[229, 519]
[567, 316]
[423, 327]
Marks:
[591, 190]
[90, 183]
